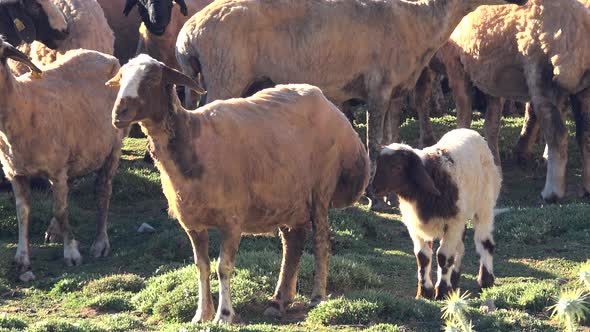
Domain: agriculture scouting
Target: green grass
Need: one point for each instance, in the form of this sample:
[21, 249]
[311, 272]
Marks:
[149, 282]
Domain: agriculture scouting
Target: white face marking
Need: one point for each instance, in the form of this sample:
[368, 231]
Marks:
[133, 73]
[56, 18]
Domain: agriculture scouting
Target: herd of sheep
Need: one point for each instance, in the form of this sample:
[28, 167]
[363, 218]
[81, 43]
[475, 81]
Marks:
[268, 149]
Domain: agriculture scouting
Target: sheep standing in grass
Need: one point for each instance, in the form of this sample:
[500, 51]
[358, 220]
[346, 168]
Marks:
[354, 49]
[439, 189]
[45, 134]
[88, 29]
[278, 159]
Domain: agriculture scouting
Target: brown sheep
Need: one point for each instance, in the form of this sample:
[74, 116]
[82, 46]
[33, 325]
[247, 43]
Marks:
[276, 160]
[354, 49]
[59, 136]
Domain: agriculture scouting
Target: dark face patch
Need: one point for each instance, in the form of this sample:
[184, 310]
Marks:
[155, 14]
[397, 173]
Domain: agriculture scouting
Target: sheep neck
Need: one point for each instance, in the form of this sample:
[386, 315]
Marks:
[171, 138]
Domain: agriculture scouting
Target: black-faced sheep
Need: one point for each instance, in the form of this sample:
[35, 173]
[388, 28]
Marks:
[88, 29]
[439, 189]
[276, 160]
[30, 20]
[155, 14]
[236, 44]
[47, 135]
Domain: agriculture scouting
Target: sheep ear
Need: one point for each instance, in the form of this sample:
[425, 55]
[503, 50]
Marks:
[183, 8]
[115, 82]
[23, 24]
[424, 180]
[11, 52]
[129, 4]
[174, 76]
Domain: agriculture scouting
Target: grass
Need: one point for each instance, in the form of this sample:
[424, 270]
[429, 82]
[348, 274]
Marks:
[149, 282]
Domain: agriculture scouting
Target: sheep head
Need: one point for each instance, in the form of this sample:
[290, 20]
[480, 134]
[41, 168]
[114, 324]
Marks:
[400, 170]
[8, 51]
[155, 14]
[29, 20]
[145, 90]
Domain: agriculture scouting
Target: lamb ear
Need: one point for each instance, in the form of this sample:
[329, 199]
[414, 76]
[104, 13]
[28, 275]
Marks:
[11, 52]
[129, 4]
[23, 24]
[115, 82]
[174, 76]
[424, 180]
[183, 8]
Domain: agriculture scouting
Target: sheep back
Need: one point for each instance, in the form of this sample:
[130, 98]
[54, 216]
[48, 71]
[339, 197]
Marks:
[67, 112]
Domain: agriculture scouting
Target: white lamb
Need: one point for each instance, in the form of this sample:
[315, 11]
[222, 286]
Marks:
[439, 189]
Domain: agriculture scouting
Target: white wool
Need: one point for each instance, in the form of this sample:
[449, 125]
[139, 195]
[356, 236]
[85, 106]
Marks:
[133, 76]
[55, 16]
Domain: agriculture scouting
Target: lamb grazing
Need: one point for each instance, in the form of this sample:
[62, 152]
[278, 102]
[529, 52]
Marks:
[236, 45]
[125, 28]
[59, 127]
[88, 29]
[506, 58]
[276, 160]
[162, 47]
[439, 189]
[24, 21]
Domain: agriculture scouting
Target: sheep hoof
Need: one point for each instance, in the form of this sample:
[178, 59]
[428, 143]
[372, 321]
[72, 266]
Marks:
[273, 310]
[53, 234]
[425, 293]
[27, 276]
[550, 199]
[100, 248]
[72, 255]
[442, 291]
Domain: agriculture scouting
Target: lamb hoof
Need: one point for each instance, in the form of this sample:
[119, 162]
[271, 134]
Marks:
[202, 316]
[27, 277]
[442, 291]
[425, 293]
[273, 310]
[53, 234]
[100, 248]
[72, 255]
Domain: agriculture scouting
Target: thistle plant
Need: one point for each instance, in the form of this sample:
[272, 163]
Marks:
[585, 274]
[455, 312]
[571, 307]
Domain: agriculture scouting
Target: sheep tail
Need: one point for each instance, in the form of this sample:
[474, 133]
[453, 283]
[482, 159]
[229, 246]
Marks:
[354, 178]
[501, 211]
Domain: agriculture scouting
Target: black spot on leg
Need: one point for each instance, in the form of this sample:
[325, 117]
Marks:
[441, 260]
[489, 246]
[455, 276]
[225, 312]
[486, 279]
[442, 290]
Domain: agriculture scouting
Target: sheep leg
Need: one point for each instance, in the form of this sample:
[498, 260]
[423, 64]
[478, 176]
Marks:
[230, 241]
[445, 257]
[456, 273]
[492, 125]
[321, 251]
[21, 189]
[423, 252]
[460, 85]
[422, 93]
[377, 107]
[200, 242]
[484, 245]
[60, 214]
[391, 123]
[104, 188]
[528, 135]
[293, 242]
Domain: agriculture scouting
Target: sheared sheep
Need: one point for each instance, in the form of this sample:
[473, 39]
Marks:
[88, 29]
[45, 134]
[237, 44]
[30, 20]
[526, 54]
[278, 159]
[439, 189]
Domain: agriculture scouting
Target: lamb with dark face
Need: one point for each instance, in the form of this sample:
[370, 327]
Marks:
[24, 21]
[155, 14]
[439, 189]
